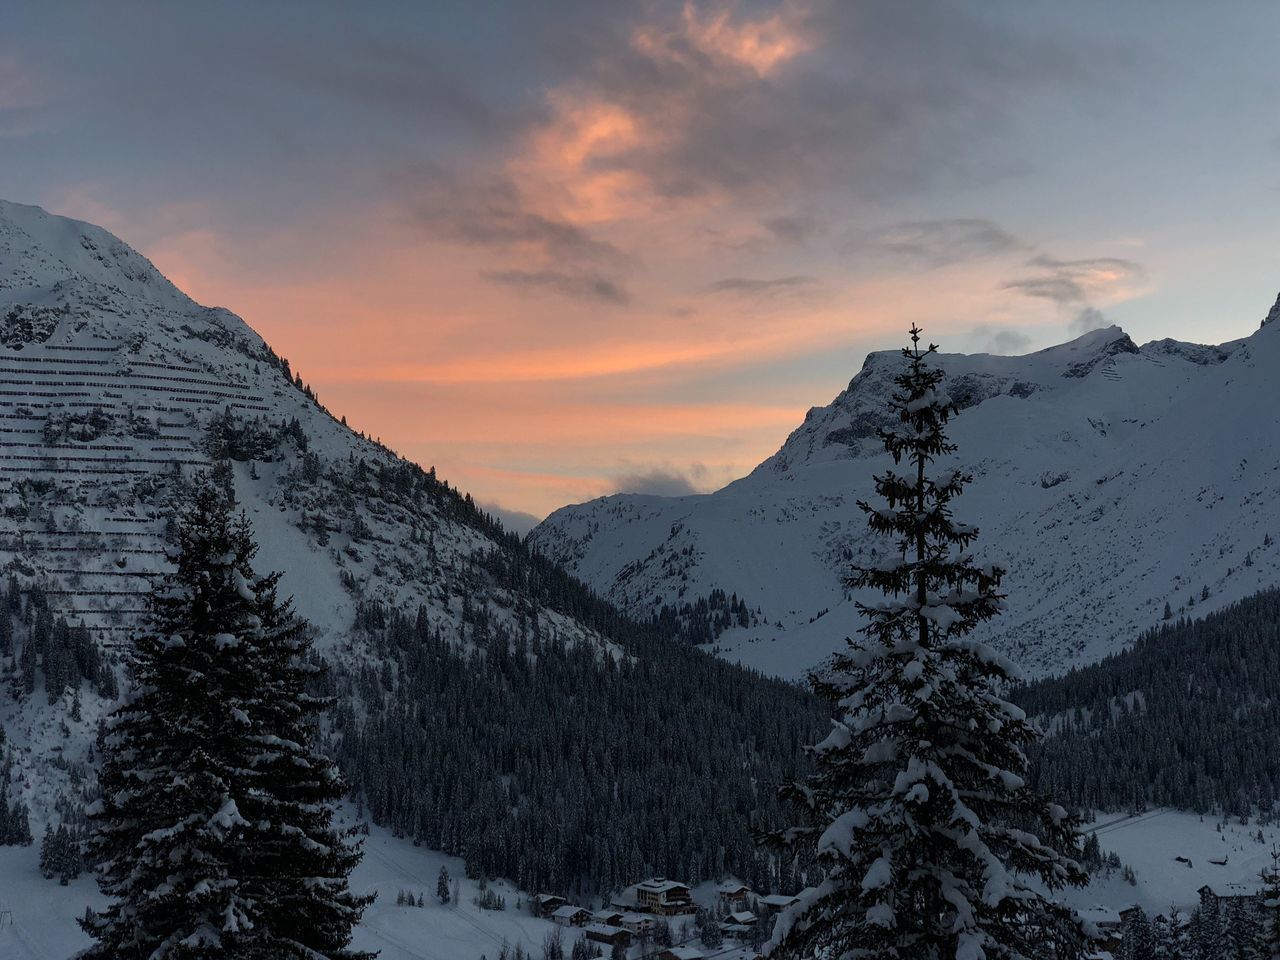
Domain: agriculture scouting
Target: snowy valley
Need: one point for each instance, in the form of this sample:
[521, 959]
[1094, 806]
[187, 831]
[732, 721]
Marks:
[525, 714]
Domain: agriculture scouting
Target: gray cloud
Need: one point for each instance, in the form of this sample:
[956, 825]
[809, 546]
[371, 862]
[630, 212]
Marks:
[514, 520]
[1090, 318]
[490, 212]
[1070, 282]
[753, 287]
[791, 229]
[1000, 340]
[937, 243]
[661, 481]
[579, 286]
[886, 101]
[1058, 289]
[890, 100]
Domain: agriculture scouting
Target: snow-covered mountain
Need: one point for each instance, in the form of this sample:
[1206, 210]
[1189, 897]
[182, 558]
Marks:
[1110, 479]
[110, 380]
[116, 390]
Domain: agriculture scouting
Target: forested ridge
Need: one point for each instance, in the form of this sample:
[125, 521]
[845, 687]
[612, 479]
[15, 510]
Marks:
[1186, 718]
[562, 767]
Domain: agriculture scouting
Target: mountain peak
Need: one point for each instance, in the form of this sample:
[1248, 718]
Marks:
[1086, 352]
[49, 261]
[1099, 339]
[1274, 314]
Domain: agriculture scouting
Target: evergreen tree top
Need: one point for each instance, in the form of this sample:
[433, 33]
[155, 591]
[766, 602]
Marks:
[919, 811]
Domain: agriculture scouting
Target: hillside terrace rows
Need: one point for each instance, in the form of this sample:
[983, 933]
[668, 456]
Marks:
[82, 569]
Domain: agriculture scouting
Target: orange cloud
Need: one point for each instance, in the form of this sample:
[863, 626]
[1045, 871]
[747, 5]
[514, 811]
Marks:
[574, 163]
[763, 44]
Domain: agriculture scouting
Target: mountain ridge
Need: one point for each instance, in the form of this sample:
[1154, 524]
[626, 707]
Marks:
[1068, 444]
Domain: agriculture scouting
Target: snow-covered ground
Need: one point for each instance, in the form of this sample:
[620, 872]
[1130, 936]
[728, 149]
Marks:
[43, 925]
[44, 913]
[1149, 843]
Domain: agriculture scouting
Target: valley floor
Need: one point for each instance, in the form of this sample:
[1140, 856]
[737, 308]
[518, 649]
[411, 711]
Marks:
[43, 925]
[43, 914]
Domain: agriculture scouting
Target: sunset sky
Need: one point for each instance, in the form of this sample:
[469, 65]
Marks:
[562, 249]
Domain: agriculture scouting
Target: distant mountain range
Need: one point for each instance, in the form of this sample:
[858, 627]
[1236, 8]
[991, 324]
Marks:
[1111, 479]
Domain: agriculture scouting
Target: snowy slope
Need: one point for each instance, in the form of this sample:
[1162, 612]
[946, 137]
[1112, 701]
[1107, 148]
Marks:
[43, 914]
[1109, 479]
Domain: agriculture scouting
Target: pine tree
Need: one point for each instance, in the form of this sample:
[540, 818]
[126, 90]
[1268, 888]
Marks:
[1138, 937]
[1243, 932]
[442, 885]
[15, 829]
[300, 860]
[1206, 928]
[201, 839]
[919, 811]
[47, 854]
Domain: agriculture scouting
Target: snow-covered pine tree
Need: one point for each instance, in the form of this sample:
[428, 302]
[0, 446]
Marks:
[199, 837]
[299, 861]
[168, 836]
[923, 821]
[1243, 932]
[1206, 928]
[1138, 940]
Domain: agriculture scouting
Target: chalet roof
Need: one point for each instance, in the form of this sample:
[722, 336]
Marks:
[732, 886]
[568, 910]
[742, 916]
[660, 885]
[604, 929]
[778, 900]
[1229, 890]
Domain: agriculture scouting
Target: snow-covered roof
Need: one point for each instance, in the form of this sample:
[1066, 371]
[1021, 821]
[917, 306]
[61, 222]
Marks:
[603, 929]
[661, 885]
[568, 910]
[685, 953]
[742, 916]
[778, 900]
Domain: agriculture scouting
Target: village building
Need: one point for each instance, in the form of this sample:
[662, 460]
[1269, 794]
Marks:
[545, 904]
[1225, 893]
[640, 924]
[608, 916]
[774, 903]
[571, 916]
[732, 896]
[664, 897]
[603, 933]
[738, 924]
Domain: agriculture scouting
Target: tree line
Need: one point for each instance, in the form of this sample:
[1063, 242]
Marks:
[1185, 718]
